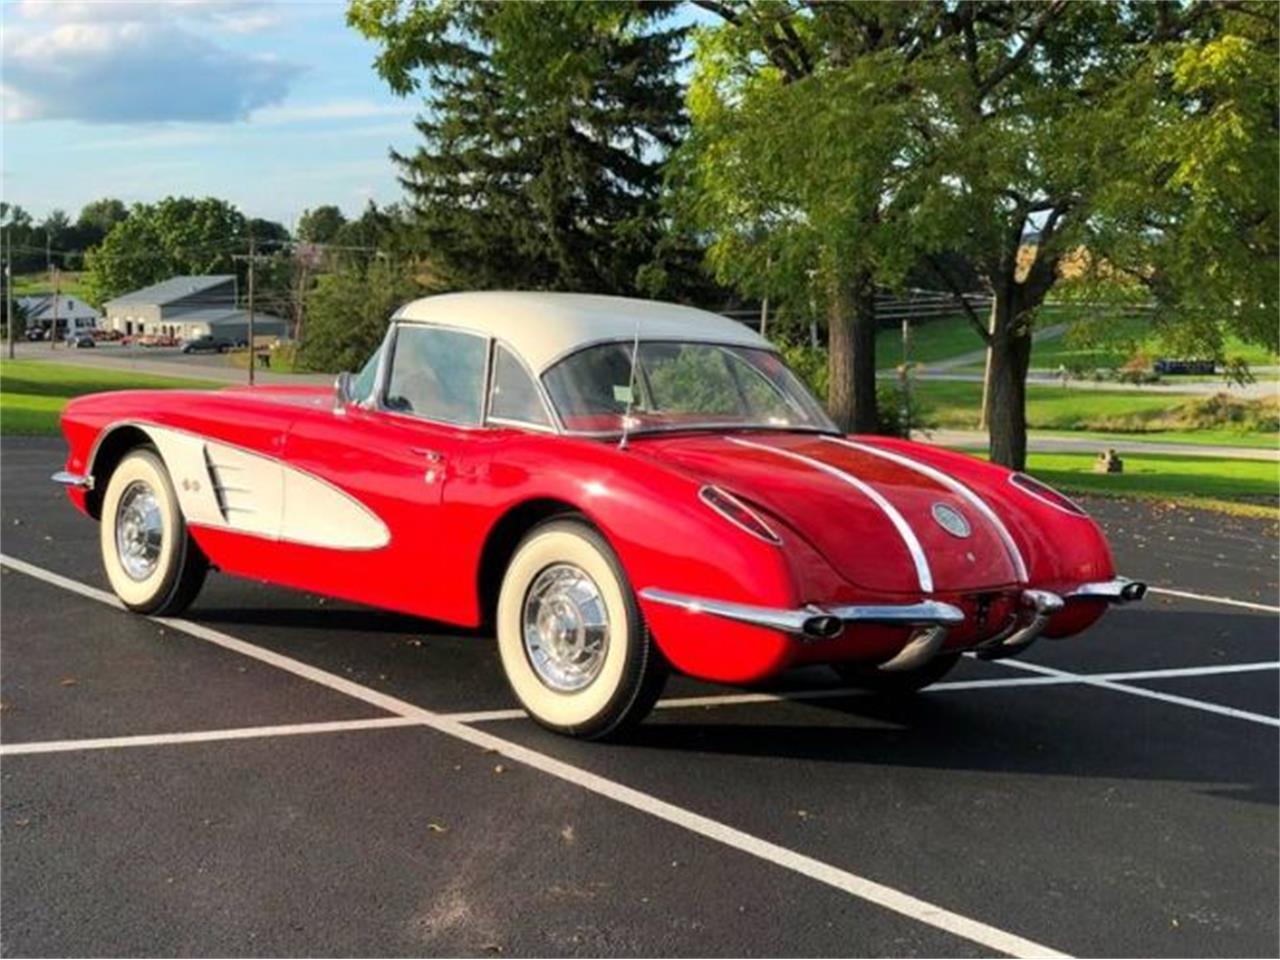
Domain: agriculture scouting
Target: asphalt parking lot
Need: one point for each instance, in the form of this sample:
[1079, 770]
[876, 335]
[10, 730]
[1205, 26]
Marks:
[281, 774]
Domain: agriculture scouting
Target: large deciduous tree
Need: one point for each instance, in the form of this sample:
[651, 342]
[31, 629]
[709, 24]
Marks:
[795, 166]
[846, 136]
[543, 134]
[1061, 129]
[178, 235]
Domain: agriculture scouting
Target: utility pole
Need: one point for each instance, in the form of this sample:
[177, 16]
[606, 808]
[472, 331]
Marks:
[906, 377]
[57, 292]
[8, 290]
[253, 352]
[986, 371]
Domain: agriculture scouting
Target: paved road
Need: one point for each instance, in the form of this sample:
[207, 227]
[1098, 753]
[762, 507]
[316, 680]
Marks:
[1056, 443]
[162, 362]
[1097, 817]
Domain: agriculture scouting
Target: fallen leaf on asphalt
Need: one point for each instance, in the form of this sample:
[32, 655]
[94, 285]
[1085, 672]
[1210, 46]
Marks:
[68, 681]
[437, 828]
[499, 769]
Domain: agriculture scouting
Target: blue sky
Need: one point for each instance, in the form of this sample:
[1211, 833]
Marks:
[271, 105]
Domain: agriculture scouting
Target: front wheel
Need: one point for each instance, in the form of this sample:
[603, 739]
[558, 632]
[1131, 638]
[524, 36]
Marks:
[151, 561]
[896, 682]
[573, 642]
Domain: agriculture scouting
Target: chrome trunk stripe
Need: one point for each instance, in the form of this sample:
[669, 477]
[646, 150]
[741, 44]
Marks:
[909, 539]
[956, 487]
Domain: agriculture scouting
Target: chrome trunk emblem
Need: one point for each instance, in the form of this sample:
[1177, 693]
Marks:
[951, 520]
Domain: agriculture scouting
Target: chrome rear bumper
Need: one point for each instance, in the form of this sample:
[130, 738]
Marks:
[82, 480]
[818, 623]
[931, 619]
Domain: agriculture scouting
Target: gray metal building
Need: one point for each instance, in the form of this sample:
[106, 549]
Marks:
[188, 307]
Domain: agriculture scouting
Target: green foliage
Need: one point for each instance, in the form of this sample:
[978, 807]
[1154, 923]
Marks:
[790, 165]
[178, 235]
[321, 224]
[347, 313]
[895, 414]
[543, 133]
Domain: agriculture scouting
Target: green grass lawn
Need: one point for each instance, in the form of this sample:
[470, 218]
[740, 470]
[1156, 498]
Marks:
[1196, 481]
[931, 341]
[33, 392]
[30, 284]
[1118, 340]
[955, 404]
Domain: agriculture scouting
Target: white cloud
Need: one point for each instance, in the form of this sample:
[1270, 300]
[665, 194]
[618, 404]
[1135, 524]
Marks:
[344, 109]
[135, 62]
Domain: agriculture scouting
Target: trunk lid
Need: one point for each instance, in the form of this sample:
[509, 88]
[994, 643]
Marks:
[883, 525]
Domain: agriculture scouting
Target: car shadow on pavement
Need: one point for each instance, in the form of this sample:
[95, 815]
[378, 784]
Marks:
[1073, 732]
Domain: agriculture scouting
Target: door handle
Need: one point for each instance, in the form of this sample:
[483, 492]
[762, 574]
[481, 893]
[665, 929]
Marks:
[431, 456]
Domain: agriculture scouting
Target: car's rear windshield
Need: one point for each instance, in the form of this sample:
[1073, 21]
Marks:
[679, 385]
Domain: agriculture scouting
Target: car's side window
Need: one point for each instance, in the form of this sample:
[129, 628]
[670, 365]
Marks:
[513, 395]
[438, 374]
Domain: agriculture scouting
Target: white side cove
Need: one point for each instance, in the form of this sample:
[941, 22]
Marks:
[230, 488]
[923, 574]
[956, 487]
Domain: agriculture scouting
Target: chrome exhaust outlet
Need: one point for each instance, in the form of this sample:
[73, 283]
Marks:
[822, 626]
[923, 645]
[1115, 590]
[1042, 604]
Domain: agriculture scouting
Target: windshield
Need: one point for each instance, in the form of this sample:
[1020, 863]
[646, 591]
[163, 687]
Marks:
[680, 386]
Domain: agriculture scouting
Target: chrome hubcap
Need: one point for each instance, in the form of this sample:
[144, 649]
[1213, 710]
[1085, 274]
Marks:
[139, 530]
[566, 627]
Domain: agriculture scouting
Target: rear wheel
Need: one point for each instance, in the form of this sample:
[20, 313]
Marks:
[896, 682]
[151, 561]
[573, 642]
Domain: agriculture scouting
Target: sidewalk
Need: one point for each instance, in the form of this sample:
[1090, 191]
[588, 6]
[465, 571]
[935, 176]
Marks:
[1056, 443]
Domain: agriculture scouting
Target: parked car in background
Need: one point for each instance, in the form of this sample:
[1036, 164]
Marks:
[35, 333]
[84, 341]
[618, 488]
[207, 344]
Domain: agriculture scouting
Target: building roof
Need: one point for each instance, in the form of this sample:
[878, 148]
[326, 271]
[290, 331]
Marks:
[221, 316]
[37, 306]
[175, 288]
[543, 327]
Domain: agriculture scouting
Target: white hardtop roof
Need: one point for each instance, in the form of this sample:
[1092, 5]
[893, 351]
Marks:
[543, 327]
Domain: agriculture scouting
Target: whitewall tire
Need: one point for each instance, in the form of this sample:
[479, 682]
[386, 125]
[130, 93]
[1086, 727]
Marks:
[151, 562]
[573, 642]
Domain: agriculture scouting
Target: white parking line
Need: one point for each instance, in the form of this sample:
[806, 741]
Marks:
[1106, 684]
[832, 693]
[877, 893]
[203, 736]
[1206, 598]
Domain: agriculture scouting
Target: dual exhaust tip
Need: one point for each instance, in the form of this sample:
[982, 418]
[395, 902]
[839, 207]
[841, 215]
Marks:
[823, 626]
[1133, 591]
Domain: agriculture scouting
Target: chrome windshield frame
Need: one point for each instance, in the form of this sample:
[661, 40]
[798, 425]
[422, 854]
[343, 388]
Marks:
[830, 429]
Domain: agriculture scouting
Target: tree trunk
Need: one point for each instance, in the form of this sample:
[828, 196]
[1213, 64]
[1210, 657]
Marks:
[851, 354]
[1007, 402]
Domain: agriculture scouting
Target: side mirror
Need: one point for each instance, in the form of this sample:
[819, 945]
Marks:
[342, 397]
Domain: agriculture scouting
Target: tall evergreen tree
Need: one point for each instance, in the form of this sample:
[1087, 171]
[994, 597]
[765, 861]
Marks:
[544, 131]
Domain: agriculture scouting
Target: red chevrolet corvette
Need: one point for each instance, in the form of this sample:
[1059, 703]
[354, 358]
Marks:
[619, 488]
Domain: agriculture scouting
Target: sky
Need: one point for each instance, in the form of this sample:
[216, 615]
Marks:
[274, 106]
